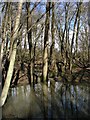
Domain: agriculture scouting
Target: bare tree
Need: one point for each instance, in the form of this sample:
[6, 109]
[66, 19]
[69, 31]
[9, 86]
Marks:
[89, 32]
[73, 36]
[52, 48]
[4, 28]
[12, 58]
[45, 54]
[29, 23]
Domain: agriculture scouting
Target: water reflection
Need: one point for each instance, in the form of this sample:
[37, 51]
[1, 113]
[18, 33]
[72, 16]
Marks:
[52, 100]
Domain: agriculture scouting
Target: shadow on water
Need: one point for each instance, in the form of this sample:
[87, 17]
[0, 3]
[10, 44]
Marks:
[54, 100]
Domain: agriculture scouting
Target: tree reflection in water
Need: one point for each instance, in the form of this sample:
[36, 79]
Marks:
[52, 100]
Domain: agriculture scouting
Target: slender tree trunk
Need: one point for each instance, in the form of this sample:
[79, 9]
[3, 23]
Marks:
[45, 54]
[66, 26]
[78, 27]
[12, 59]
[10, 31]
[8, 27]
[25, 44]
[52, 49]
[63, 59]
[74, 30]
[89, 32]
[87, 42]
[29, 24]
[4, 32]
[77, 35]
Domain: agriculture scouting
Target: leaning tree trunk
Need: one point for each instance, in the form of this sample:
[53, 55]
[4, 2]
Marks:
[12, 58]
[45, 53]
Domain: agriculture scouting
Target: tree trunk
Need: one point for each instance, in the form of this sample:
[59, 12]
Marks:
[66, 27]
[52, 49]
[72, 42]
[29, 24]
[89, 32]
[4, 26]
[45, 53]
[12, 59]
[78, 24]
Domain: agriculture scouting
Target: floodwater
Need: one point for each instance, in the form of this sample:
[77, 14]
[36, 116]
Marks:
[53, 101]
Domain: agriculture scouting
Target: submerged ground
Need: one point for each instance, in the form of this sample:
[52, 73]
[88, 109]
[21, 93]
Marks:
[55, 100]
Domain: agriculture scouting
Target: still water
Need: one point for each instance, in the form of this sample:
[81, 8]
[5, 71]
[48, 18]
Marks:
[54, 100]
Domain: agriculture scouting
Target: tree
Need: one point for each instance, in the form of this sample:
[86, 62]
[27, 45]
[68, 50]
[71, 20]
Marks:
[52, 48]
[29, 23]
[73, 36]
[89, 32]
[12, 58]
[4, 28]
[45, 53]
